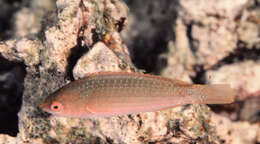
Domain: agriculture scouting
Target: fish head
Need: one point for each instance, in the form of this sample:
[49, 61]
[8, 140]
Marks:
[65, 103]
[53, 104]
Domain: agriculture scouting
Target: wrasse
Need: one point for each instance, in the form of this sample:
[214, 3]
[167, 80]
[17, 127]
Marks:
[106, 94]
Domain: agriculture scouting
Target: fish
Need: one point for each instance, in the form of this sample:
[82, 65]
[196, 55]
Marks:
[106, 94]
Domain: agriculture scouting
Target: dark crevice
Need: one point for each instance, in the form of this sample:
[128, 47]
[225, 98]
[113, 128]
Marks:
[199, 78]
[229, 109]
[11, 92]
[257, 2]
[81, 48]
[120, 24]
[149, 47]
[8, 8]
[146, 54]
[174, 126]
[194, 44]
[109, 140]
[242, 53]
[75, 53]
[96, 36]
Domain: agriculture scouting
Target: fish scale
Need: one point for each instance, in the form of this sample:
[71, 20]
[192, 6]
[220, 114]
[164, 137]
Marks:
[119, 93]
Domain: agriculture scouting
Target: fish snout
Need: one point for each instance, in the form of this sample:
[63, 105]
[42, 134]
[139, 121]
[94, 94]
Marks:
[43, 106]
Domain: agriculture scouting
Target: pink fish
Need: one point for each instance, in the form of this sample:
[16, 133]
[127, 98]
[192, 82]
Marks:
[118, 93]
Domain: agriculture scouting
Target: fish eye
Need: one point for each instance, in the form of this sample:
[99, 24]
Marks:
[56, 106]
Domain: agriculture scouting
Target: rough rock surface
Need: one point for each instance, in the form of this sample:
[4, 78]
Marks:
[213, 28]
[99, 58]
[193, 40]
[47, 62]
[236, 132]
[24, 50]
[250, 110]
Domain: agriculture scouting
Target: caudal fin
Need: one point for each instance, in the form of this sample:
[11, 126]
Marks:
[217, 94]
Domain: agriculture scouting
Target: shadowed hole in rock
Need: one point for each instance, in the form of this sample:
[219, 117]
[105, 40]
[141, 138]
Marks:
[199, 78]
[8, 9]
[11, 91]
[149, 59]
[155, 22]
[75, 54]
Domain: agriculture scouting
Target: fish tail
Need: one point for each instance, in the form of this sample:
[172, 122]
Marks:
[216, 94]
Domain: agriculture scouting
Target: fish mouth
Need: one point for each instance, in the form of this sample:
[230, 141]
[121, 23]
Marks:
[43, 106]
